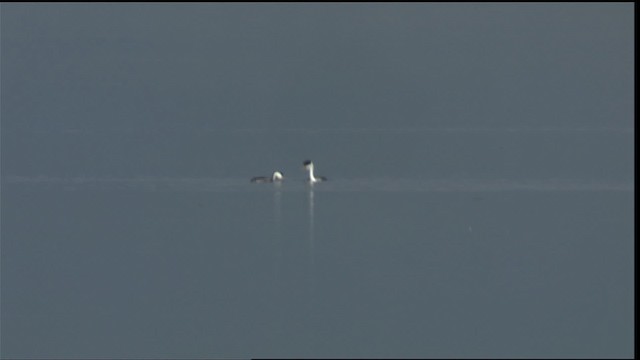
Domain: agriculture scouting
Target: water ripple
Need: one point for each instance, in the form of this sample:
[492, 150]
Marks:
[335, 185]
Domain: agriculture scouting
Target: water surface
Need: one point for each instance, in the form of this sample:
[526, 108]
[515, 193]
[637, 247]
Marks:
[391, 265]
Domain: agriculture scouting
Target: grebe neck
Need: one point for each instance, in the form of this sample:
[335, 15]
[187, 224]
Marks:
[311, 177]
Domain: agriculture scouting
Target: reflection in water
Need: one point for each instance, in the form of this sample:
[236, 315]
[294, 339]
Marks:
[277, 225]
[311, 304]
[277, 214]
[278, 310]
[311, 226]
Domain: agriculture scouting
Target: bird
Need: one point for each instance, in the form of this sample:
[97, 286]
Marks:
[276, 177]
[308, 165]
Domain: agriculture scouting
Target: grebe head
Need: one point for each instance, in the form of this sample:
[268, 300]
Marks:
[307, 164]
[277, 176]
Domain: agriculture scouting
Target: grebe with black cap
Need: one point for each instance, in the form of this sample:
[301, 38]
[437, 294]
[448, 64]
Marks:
[308, 165]
[276, 177]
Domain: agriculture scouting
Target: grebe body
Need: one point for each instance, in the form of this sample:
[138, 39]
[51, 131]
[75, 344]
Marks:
[276, 177]
[308, 165]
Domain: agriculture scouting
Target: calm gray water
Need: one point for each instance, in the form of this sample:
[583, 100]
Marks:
[479, 202]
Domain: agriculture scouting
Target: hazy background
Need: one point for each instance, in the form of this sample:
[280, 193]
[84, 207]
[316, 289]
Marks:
[480, 158]
[138, 72]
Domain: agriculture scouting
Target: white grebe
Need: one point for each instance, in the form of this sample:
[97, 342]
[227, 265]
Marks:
[308, 165]
[276, 177]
